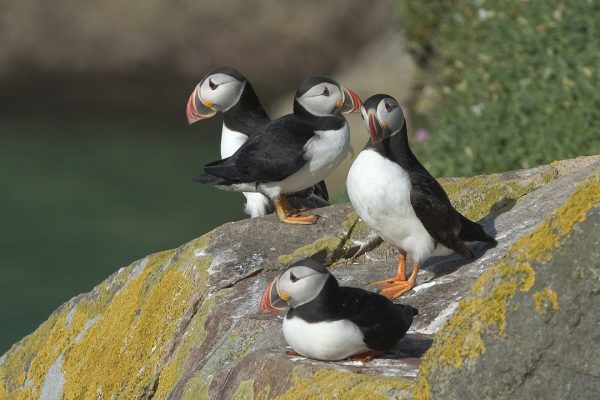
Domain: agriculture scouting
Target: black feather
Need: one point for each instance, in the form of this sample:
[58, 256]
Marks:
[473, 232]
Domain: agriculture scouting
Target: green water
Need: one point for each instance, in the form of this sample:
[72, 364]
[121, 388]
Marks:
[79, 200]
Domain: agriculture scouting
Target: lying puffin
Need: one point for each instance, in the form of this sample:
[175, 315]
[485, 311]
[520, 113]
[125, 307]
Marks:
[395, 195]
[329, 322]
[227, 91]
[293, 152]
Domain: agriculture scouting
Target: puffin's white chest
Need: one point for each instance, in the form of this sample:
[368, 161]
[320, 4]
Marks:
[231, 141]
[323, 153]
[333, 340]
[379, 190]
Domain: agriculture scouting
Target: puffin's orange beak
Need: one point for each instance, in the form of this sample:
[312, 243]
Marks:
[271, 301]
[198, 109]
[374, 127]
[352, 102]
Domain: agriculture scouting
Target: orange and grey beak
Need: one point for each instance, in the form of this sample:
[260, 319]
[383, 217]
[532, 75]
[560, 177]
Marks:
[197, 108]
[375, 128]
[351, 103]
[272, 299]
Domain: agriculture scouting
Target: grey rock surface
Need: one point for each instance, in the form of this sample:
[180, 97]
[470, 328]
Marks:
[184, 323]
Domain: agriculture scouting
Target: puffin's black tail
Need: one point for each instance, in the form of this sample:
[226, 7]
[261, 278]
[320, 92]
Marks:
[473, 232]
[408, 312]
[210, 179]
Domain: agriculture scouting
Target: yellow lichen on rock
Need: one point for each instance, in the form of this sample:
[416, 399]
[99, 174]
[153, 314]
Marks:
[538, 245]
[31, 359]
[173, 369]
[328, 245]
[245, 391]
[128, 340]
[478, 196]
[461, 338]
[545, 301]
[336, 384]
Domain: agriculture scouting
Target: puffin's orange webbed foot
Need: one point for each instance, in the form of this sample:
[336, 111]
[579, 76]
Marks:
[396, 289]
[399, 285]
[364, 357]
[400, 275]
[286, 214]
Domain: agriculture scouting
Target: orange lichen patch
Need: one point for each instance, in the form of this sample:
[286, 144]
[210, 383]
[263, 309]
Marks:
[545, 301]
[485, 309]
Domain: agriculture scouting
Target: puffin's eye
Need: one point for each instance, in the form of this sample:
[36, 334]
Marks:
[326, 92]
[212, 85]
[388, 106]
[293, 277]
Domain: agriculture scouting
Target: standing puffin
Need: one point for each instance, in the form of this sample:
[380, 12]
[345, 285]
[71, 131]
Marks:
[329, 322]
[227, 91]
[395, 195]
[293, 152]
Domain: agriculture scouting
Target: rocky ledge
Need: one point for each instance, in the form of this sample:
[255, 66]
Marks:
[520, 321]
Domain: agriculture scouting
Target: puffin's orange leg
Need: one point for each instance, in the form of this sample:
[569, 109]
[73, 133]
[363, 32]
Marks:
[364, 357]
[291, 353]
[400, 275]
[283, 210]
[393, 290]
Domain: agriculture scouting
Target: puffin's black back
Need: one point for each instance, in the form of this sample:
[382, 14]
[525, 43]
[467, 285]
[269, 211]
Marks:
[382, 322]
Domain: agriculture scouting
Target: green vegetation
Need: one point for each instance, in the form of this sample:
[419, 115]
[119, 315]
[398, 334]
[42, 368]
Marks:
[508, 84]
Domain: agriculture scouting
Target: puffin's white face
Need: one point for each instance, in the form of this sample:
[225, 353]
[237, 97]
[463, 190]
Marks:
[220, 91]
[390, 115]
[299, 285]
[383, 120]
[322, 99]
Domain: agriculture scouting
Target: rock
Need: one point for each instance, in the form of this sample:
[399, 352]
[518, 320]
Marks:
[183, 324]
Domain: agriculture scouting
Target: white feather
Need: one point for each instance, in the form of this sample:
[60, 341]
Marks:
[231, 141]
[379, 190]
[330, 340]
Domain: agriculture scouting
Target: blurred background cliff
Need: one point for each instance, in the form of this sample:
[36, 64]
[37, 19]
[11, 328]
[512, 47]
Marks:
[96, 156]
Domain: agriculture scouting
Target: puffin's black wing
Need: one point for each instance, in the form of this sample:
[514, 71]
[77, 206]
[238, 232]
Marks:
[433, 208]
[271, 156]
[382, 322]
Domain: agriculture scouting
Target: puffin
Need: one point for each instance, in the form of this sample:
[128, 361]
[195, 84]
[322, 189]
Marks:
[293, 152]
[399, 199]
[330, 322]
[227, 91]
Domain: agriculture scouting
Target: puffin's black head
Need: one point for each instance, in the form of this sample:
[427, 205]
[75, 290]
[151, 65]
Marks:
[382, 116]
[297, 285]
[218, 91]
[322, 96]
